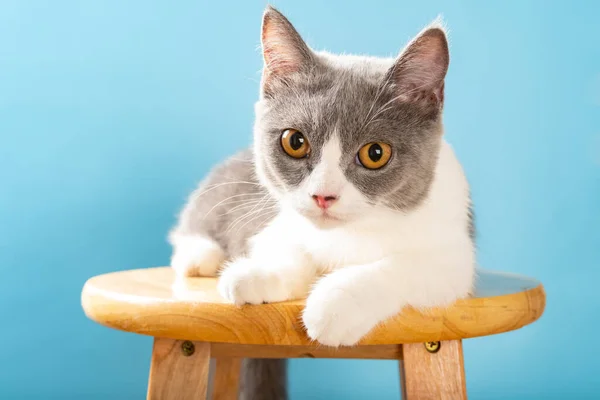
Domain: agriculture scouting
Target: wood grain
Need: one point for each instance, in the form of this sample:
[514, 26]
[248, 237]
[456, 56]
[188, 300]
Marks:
[174, 376]
[226, 381]
[381, 352]
[152, 302]
[433, 376]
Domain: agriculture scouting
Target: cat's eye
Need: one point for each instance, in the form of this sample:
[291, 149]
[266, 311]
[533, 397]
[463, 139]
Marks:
[374, 155]
[294, 143]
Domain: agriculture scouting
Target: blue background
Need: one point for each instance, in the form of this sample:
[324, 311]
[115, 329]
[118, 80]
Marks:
[111, 111]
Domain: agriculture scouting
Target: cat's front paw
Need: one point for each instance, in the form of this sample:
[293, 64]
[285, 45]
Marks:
[243, 281]
[195, 255]
[333, 315]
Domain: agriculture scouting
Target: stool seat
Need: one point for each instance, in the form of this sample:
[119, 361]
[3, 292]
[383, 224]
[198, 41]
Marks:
[153, 302]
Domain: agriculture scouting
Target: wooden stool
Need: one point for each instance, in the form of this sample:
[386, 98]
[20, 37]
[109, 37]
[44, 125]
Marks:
[191, 324]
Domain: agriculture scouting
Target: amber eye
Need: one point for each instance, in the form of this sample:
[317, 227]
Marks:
[374, 155]
[294, 143]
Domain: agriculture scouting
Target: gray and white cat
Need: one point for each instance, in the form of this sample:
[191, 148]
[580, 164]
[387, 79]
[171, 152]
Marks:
[350, 195]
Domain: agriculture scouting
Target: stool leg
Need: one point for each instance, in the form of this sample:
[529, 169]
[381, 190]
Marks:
[178, 370]
[433, 376]
[226, 382]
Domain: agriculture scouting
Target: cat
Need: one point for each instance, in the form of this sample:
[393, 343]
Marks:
[349, 196]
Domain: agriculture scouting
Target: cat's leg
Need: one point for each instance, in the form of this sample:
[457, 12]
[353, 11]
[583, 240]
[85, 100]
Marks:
[195, 255]
[348, 303]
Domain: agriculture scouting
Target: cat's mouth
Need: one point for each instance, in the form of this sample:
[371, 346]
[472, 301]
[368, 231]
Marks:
[324, 218]
[329, 217]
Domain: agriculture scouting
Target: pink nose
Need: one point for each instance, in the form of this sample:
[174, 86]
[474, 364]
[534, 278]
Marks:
[324, 202]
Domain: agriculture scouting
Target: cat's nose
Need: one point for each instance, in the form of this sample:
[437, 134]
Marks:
[324, 202]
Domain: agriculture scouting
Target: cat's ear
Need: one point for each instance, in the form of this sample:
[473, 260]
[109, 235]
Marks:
[419, 71]
[284, 51]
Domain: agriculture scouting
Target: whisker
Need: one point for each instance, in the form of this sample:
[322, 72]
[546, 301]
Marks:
[241, 160]
[249, 213]
[252, 215]
[229, 198]
[263, 212]
[385, 107]
[214, 186]
[379, 92]
[241, 206]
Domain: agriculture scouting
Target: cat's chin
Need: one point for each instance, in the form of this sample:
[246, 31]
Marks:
[325, 221]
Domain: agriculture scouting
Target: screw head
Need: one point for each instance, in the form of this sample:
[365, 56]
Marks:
[187, 348]
[432, 347]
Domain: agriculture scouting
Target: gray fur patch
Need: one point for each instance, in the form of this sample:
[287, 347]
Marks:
[264, 379]
[471, 227]
[230, 205]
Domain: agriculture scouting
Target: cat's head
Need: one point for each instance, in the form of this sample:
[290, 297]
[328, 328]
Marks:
[338, 136]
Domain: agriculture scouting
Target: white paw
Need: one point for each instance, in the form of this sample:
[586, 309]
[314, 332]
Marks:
[195, 256]
[334, 317]
[243, 281]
